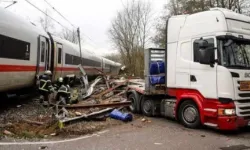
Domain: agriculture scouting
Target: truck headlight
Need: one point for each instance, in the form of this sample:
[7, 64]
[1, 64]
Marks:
[226, 112]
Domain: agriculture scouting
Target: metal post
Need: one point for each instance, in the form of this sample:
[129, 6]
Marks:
[79, 40]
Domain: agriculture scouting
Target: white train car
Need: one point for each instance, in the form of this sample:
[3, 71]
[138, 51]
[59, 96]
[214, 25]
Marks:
[27, 51]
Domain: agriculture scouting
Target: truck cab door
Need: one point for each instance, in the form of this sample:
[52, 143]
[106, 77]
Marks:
[203, 77]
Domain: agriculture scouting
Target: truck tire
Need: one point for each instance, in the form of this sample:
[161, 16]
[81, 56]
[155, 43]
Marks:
[134, 102]
[189, 115]
[147, 107]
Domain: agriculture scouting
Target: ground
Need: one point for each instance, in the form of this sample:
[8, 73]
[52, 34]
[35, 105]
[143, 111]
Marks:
[141, 133]
[13, 116]
[26, 119]
[154, 133]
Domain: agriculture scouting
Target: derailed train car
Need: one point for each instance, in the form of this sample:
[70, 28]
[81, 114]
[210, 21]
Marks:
[27, 51]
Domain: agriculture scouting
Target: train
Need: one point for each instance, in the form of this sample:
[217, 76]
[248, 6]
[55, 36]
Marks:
[26, 51]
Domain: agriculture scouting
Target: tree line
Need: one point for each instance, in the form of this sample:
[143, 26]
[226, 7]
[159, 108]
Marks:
[180, 7]
[130, 29]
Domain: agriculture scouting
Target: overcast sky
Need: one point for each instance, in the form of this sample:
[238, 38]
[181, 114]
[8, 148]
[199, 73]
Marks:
[92, 16]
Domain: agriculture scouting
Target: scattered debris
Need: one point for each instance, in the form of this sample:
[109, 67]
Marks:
[91, 88]
[33, 122]
[62, 123]
[43, 147]
[6, 132]
[78, 113]
[115, 104]
[53, 134]
[6, 125]
[108, 90]
[158, 143]
[145, 120]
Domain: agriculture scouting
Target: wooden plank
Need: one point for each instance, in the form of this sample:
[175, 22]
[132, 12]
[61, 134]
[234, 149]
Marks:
[114, 104]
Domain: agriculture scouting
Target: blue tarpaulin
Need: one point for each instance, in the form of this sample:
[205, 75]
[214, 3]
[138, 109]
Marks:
[157, 67]
[116, 114]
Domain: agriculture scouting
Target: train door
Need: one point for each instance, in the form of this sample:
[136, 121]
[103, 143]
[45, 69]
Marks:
[43, 54]
[59, 49]
[48, 54]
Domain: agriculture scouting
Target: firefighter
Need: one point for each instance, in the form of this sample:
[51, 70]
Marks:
[45, 86]
[59, 83]
[64, 91]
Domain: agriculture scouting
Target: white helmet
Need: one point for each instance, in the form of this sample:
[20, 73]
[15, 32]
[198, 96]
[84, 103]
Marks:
[60, 79]
[123, 67]
[47, 72]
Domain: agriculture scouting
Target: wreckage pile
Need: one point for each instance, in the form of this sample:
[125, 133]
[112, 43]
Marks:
[95, 104]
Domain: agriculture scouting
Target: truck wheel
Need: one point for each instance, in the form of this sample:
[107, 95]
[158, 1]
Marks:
[133, 106]
[147, 107]
[189, 115]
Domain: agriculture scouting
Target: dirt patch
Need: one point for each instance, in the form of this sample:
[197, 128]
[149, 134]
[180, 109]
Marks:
[12, 120]
[85, 127]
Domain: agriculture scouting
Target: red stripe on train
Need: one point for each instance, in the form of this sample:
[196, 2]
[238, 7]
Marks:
[18, 68]
[73, 69]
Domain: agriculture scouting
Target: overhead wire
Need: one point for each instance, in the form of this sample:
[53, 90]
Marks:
[67, 20]
[56, 20]
[47, 15]
[59, 13]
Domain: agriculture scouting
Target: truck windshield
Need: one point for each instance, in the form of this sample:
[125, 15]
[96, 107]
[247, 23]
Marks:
[236, 54]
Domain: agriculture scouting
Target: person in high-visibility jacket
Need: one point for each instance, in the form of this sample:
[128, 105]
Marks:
[59, 83]
[45, 86]
[64, 91]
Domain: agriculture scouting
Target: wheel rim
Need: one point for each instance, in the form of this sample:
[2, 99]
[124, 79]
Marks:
[190, 114]
[147, 106]
[132, 106]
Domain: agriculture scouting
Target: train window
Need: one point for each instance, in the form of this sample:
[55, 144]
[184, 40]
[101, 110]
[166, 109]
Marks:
[78, 60]
[59, 55]
[88, 62]
[47, 52]
[42, 50]
[14, 49]
[72, 59]
[68, 59]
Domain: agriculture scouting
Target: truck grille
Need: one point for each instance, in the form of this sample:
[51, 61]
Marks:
[244, 94]
[242, 101]
[243, 107]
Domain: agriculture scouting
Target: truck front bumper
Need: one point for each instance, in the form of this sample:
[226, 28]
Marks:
[231, 122]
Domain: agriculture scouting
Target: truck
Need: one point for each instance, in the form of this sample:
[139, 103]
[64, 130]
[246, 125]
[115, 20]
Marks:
[202, 76]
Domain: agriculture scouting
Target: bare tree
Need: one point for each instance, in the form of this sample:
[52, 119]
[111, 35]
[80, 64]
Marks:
[70, 35]
[46, 22]
[178, 7]
[129, 32]
[114, 57]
